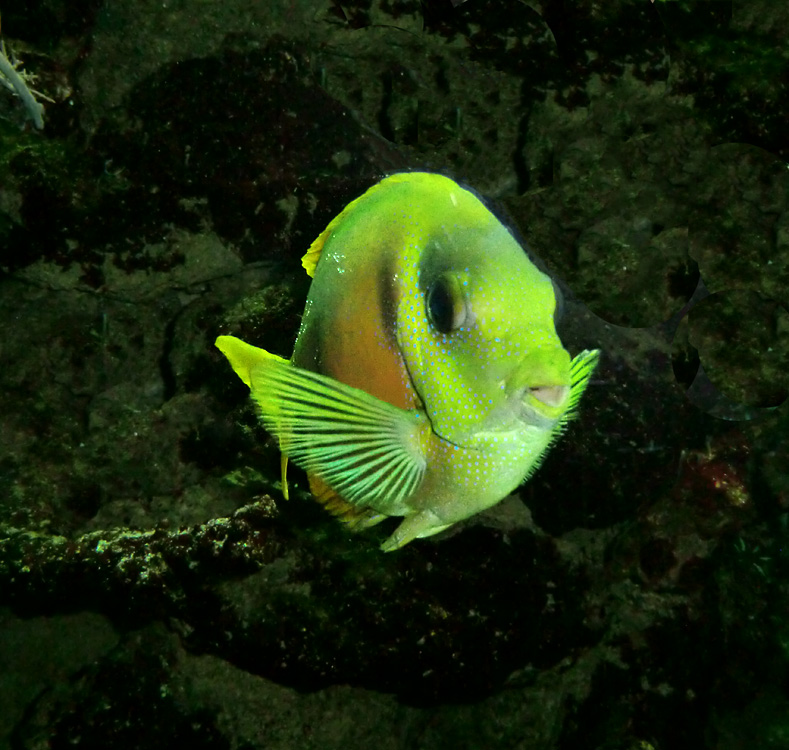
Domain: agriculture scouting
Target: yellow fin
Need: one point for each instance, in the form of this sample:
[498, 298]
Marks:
[354, 516]
[244, 357]
[581, 369]
[283, 463]
[416, 526]
[310, 259]
[368, 451]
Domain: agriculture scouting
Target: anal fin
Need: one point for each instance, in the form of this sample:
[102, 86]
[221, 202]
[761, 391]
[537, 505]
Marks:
[356, 517]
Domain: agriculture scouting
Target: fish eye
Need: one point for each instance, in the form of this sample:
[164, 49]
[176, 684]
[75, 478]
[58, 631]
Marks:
[445, 304]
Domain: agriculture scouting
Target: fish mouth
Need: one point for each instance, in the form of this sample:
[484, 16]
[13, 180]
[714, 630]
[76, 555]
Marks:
[539, 386]
[554, 396]
[542, 406]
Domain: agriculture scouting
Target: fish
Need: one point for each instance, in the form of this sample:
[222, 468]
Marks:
[427, 380]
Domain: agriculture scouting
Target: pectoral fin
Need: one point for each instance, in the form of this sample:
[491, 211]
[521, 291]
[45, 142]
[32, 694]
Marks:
[244, 357]
[368, 451]
[581, 369]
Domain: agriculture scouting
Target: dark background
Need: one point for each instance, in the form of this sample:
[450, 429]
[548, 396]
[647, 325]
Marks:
[154, 586]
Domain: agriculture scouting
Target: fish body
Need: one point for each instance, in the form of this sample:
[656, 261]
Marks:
[427, 380]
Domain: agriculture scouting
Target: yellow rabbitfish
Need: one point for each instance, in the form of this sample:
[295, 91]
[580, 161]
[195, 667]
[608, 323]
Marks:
[427, 380]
